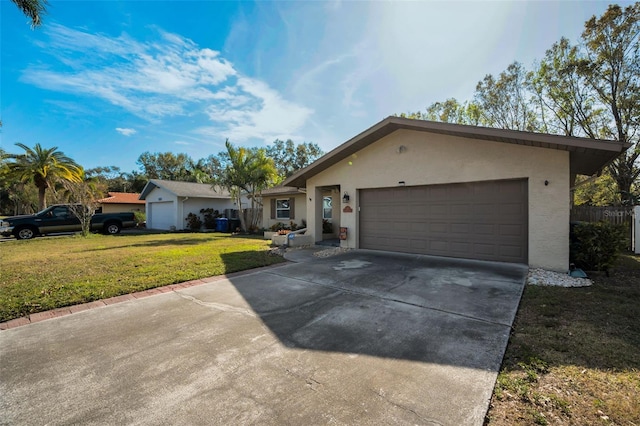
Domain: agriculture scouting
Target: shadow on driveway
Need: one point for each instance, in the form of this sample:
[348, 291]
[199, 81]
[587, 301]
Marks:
[419, 308]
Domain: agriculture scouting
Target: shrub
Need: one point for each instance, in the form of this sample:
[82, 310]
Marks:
[596, 246]
[141, 218]
[327, 227]
[277, 226]
[210, 216]
[193, 222]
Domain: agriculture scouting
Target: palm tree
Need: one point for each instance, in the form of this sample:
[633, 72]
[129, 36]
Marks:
[248, 172]
[44, 167]
[33, 9]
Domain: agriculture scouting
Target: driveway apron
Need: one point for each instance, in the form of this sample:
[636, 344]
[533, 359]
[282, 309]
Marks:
[363, 337]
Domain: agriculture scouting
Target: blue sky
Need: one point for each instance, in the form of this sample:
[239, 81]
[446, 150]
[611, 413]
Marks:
[105, 81]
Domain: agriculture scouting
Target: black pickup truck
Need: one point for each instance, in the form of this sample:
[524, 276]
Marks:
[60, 218]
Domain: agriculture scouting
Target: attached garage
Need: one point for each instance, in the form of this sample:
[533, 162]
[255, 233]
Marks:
[453, 190]
[474, 220]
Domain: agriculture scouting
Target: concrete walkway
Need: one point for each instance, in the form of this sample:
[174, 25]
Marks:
[358, 338]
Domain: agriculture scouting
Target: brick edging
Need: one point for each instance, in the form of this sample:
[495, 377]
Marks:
[68, 310]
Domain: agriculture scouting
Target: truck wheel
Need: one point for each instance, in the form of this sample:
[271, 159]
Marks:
[112, 228]
[25, 233]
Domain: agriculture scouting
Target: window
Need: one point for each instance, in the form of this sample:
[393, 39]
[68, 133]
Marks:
[326, 208]
[60, 212]
[282, 209]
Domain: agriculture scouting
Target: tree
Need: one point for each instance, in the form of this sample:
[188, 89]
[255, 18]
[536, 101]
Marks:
[504, 102]
[33, 9]
[449, 111]
[164, 165]
[43, 167]
[247, 172]
[82, 197]
[199, 171]
[289, 157]
[135, 181]
[596, 191]
[612, 68]
[4, 180]
[566, 104]
[178, 167]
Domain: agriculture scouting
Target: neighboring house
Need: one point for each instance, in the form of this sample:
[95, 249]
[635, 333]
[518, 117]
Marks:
[454, 190]
[168, 203]
[122, 202]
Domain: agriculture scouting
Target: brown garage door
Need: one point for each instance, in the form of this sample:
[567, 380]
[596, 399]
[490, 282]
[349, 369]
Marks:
[476, 220]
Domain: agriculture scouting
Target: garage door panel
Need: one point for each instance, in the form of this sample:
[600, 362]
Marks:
[511, 210]
[437, 210]
[461, 228]
[438, 227]
[438, 246]
[482, 229]
[479, 220]
[401, 226]
[484, 209]
[418, 244]
[511, 251]
[511, 230]
[485, 249]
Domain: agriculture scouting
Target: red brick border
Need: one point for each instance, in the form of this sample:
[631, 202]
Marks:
[68, 310]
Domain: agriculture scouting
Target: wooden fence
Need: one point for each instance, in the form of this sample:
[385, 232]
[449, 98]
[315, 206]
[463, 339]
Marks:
[616, 215]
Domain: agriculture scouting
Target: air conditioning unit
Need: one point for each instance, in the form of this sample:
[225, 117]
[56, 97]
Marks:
[231, 213]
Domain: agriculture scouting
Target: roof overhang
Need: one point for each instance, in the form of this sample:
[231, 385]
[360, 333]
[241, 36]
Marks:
[281, 190]
[587, 156]
[147, 189]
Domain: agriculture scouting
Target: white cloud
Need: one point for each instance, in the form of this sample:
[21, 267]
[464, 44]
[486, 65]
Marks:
[166, 78]
[258, 113]
[125, 131]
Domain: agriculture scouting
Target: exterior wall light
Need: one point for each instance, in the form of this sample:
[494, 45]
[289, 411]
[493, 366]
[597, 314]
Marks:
[345, 198]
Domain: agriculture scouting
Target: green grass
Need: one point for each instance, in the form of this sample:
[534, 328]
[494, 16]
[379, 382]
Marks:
[47, 273]
[573, 354]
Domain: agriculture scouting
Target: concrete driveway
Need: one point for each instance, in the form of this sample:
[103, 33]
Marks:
[359, 338]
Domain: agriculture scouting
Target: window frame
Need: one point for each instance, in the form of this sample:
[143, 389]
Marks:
[282, 209]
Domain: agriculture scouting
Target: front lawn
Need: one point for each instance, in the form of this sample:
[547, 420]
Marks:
[574, 355]
[47, 273]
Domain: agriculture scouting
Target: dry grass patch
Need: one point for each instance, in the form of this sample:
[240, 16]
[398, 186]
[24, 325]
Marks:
[573, 356]
[47, 273]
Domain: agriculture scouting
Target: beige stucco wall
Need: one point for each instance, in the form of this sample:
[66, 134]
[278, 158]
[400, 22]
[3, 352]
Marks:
[429, 158]
[117, 208]
[300, 212]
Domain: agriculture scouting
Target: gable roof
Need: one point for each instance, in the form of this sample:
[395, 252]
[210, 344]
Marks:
[185, 189]
[281, 190]
[122, 198]
[586, 156]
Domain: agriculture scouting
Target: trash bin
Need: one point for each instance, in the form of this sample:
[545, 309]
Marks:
[222, 224]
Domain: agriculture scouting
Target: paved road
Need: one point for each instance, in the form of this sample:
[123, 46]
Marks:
[359, 338]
